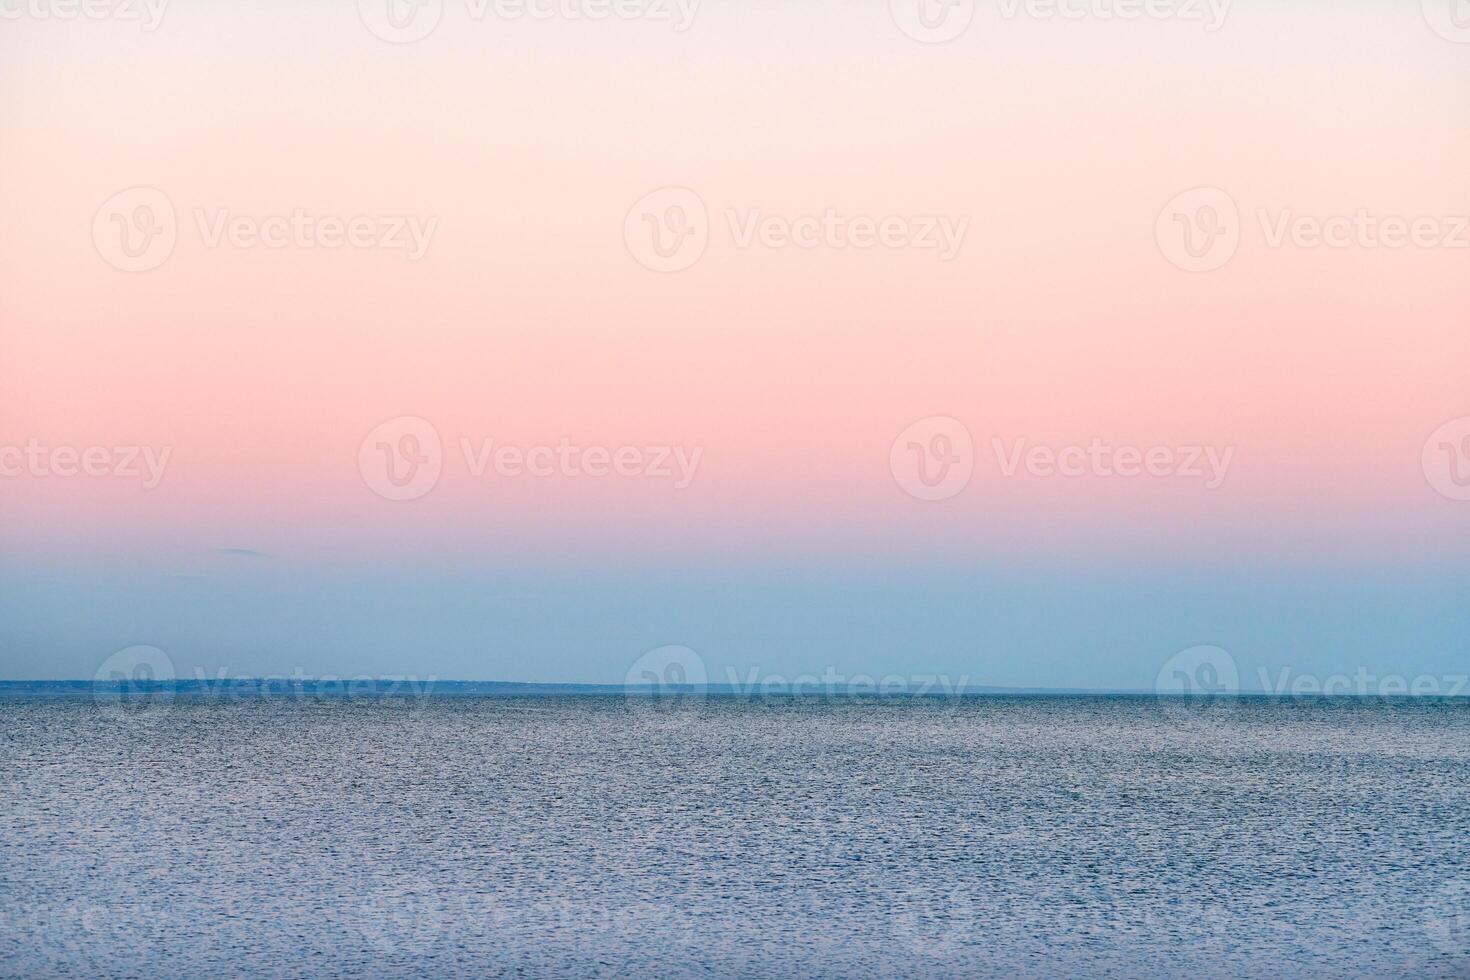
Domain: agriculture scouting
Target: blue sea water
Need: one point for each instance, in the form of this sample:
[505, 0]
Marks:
[602, 836]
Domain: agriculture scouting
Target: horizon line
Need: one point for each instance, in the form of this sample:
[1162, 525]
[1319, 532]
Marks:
[388, 686]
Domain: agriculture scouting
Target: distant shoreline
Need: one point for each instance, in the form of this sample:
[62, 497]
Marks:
[278, 687]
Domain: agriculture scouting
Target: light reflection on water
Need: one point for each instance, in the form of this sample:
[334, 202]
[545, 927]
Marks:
[990, 836]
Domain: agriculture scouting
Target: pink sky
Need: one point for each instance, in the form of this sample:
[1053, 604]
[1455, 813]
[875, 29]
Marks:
[794, 369]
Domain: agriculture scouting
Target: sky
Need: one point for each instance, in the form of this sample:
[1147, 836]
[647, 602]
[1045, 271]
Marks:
[865, 337]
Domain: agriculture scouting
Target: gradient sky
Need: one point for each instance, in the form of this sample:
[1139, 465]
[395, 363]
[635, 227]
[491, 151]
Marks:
[530, 319]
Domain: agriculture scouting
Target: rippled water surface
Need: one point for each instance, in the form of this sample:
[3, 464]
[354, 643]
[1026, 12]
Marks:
[591, 836]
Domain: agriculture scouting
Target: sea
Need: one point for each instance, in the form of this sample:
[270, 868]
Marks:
[599, 835]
